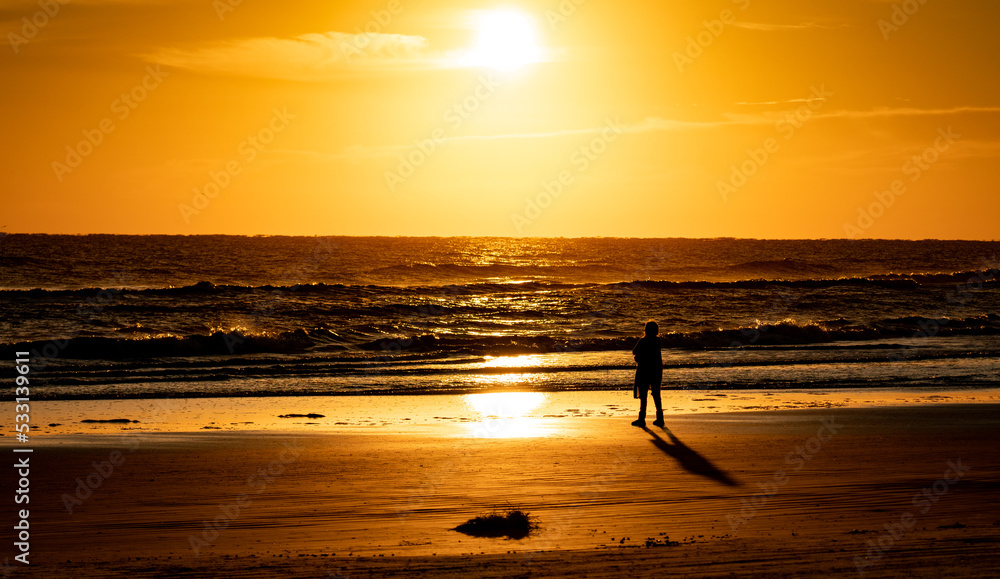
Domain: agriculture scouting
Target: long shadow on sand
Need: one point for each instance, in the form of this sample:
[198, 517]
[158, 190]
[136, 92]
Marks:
[688, 458]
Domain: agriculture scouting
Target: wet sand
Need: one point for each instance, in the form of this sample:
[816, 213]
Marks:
[887, 491]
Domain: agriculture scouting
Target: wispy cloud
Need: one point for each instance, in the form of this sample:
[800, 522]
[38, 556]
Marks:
[772, 103]
[358, 153]
[876, 113]
[909, 112]
[658, 124]
[308, 57]
[772, 27]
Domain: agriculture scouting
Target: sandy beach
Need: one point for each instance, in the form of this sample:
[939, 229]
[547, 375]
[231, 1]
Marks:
[877, 491]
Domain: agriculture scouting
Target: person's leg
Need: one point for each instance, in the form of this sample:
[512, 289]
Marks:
[643, 390]
[659, 405]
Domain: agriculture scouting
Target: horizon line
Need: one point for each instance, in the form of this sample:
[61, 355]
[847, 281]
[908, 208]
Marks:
[721, 237]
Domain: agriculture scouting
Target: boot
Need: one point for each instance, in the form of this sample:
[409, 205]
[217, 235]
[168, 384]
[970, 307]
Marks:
[641, 422]
[659, 419]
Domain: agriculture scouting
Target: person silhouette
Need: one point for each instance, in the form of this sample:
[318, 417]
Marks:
[648, 372]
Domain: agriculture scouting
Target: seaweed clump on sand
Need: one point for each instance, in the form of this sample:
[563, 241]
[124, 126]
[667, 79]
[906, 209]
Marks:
[510, 523]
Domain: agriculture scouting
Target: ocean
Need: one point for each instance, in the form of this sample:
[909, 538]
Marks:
[116, 316]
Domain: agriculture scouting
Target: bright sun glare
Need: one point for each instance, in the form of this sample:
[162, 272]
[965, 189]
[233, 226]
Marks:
[504, 414]
[505, 39]
[505, 404]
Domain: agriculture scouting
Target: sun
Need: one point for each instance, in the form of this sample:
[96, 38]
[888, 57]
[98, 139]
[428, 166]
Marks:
[505, 40]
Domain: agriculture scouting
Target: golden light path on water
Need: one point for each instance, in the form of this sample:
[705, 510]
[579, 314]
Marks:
[522, 361]
[503, 414]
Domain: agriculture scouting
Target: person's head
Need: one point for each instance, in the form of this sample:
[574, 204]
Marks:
[651, 328]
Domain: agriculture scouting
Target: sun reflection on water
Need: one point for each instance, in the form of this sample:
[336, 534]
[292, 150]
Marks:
[522, 361]
[503, 414]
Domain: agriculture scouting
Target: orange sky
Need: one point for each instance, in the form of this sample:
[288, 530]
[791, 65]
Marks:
[744, 118]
